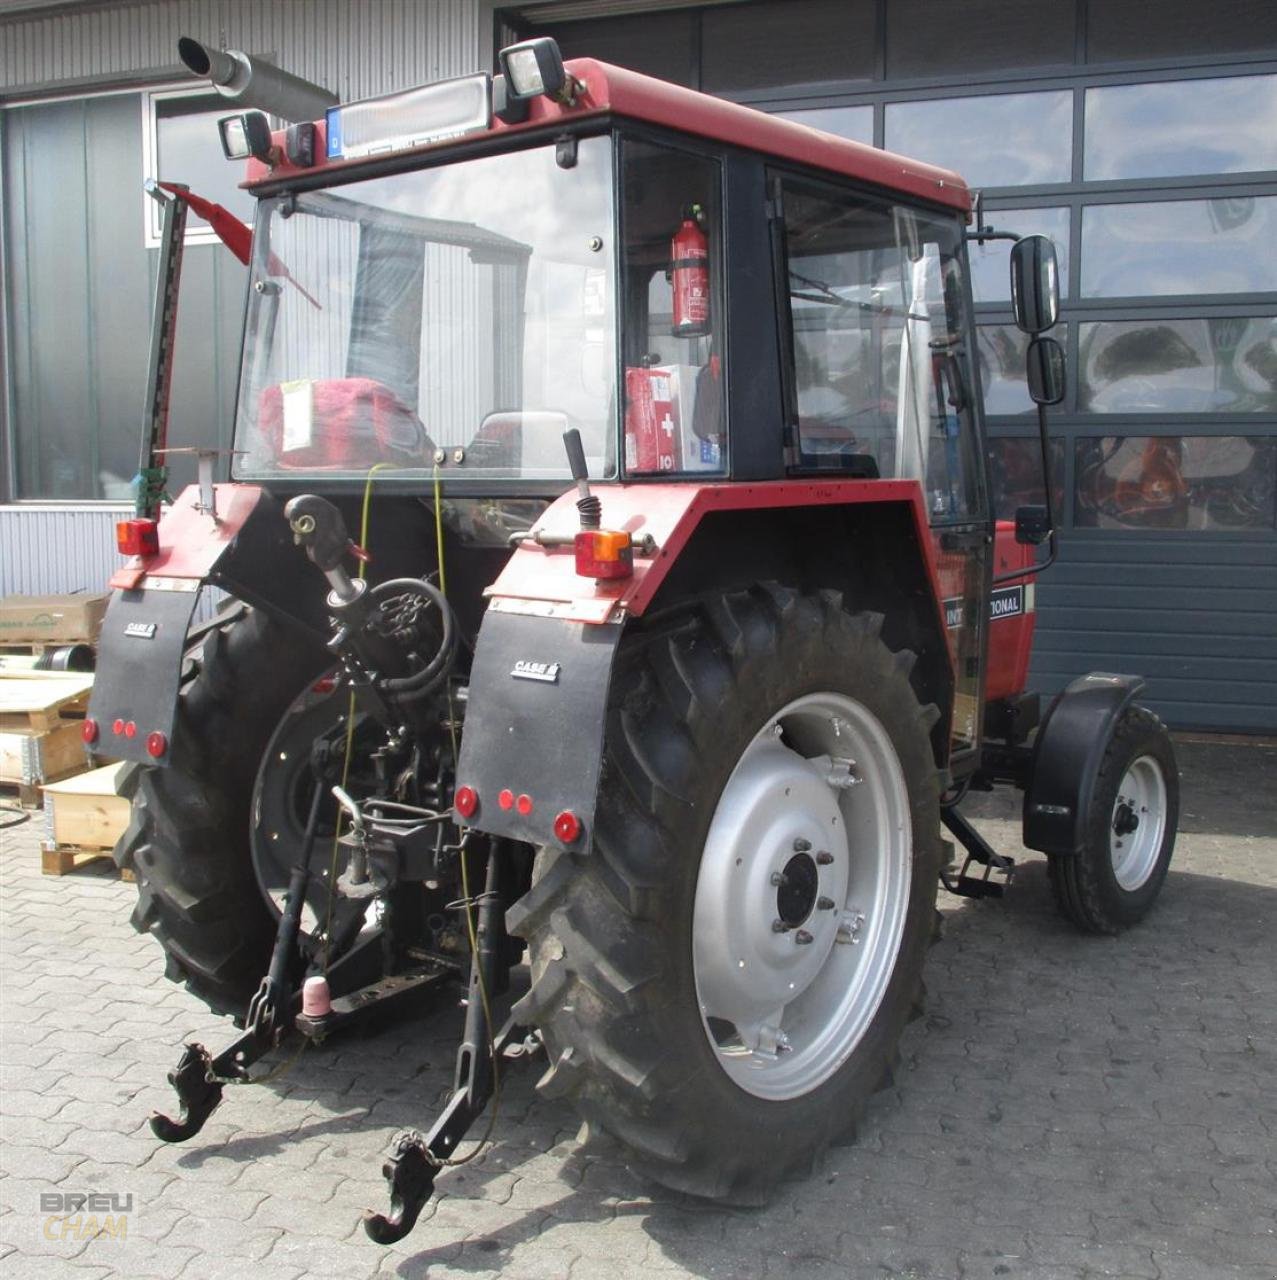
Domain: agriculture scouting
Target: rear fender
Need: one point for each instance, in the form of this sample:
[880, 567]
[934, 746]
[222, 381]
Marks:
[539, 686]
[245, 548]
[1067, 755]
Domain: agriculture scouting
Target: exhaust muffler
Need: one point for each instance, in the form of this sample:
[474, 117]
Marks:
[250, 82]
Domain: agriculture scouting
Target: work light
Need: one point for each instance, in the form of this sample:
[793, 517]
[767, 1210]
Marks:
[535, 67]
[245, 135]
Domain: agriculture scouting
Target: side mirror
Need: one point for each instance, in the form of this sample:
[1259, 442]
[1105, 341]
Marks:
[1035, 284]
[1032, 526]
[1045, 363]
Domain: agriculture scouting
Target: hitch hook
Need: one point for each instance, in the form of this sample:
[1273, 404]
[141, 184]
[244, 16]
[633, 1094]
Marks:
[198, 1093]
[411, 1171]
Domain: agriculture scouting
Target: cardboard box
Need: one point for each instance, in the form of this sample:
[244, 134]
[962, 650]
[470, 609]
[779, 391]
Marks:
[69, 619]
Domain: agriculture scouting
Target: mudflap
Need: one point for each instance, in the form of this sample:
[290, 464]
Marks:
[533, 741]
[139, 667]
[1067, 755]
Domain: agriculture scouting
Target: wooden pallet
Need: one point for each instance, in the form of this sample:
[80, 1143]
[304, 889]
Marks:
[84, 818]
[35, 701]
[41, 714]
[58, 861]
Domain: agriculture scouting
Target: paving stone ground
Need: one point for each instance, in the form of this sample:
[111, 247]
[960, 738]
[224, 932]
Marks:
[1069, 1107]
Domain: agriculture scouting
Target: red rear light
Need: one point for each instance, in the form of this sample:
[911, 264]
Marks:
[89, 731]
[156, 744]
[466, 801]
[567, 826]
[325, 684]
[117, 727]
[138, 537]
[505, 799]
[524, 804]
[130, 729]
[604, 553]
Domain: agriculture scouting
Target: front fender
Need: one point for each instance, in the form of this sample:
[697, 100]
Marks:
[1067, 755]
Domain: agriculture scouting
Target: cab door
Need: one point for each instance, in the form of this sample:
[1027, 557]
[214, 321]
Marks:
[883, 384]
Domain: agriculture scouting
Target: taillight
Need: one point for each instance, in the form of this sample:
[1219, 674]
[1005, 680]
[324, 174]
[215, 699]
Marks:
[604, 553]
[130, 729]
[567, 826]
[89, 731]
[466, 801]
[138, 537]
[505, 798]
[524, 804]
[118, 728]
[156, 744]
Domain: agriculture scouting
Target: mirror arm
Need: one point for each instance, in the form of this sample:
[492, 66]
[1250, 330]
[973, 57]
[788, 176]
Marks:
[1052, 543]
[982, 234]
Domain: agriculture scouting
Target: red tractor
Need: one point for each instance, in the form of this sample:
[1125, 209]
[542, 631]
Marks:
[614, 587]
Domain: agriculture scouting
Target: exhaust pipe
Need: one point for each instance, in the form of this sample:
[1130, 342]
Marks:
[249, 82]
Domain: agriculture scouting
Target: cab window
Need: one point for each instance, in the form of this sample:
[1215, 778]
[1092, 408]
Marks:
[672, 345]
[879, 371]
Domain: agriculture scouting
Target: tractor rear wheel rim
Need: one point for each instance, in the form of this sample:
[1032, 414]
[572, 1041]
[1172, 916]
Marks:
[802, 896]
[1138, 823]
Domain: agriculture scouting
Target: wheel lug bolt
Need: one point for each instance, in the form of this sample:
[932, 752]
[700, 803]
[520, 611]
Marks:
[779, 926]
[803, 938]
[779, 878]
[824, 858]
[825, 904]
[801, 845]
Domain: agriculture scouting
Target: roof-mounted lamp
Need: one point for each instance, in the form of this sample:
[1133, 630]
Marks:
[246, 135]
[534, 69]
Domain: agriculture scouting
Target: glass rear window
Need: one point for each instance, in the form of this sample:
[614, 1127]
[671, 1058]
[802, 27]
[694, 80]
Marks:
[462, 316]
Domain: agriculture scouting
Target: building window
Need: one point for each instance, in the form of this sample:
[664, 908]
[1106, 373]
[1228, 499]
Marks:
[1015, 475]
[856, 123]
[1180, 128]
[991, 261]
[1002, 349]
[181, 144]
[1212, 483]
[999, 140]
[1222, 245]
[1225, 364]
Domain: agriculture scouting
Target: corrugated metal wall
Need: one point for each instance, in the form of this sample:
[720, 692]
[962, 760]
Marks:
[55, 548]
[357, 48]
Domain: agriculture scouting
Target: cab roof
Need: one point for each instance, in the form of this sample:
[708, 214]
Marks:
[615, 91]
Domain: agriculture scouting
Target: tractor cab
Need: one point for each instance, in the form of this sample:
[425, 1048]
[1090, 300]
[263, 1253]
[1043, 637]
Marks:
[422, 306]
[443, 285]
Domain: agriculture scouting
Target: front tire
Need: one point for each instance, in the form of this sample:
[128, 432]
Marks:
[682, 1011]
[1130, 830]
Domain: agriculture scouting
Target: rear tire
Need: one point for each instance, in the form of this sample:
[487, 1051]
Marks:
[188, 839]
[629, 997]
[1130, 830]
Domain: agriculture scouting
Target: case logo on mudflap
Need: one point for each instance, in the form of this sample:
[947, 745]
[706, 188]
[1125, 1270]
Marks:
[546, 672]
[140, 630]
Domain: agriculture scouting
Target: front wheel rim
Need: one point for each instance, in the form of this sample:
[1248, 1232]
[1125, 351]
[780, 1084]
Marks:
[1138, 823]
[802, 896]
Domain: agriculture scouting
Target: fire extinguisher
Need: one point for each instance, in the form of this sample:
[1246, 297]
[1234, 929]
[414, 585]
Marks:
[689, 270]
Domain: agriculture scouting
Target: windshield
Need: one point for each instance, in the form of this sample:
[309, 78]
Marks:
[461, 316]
